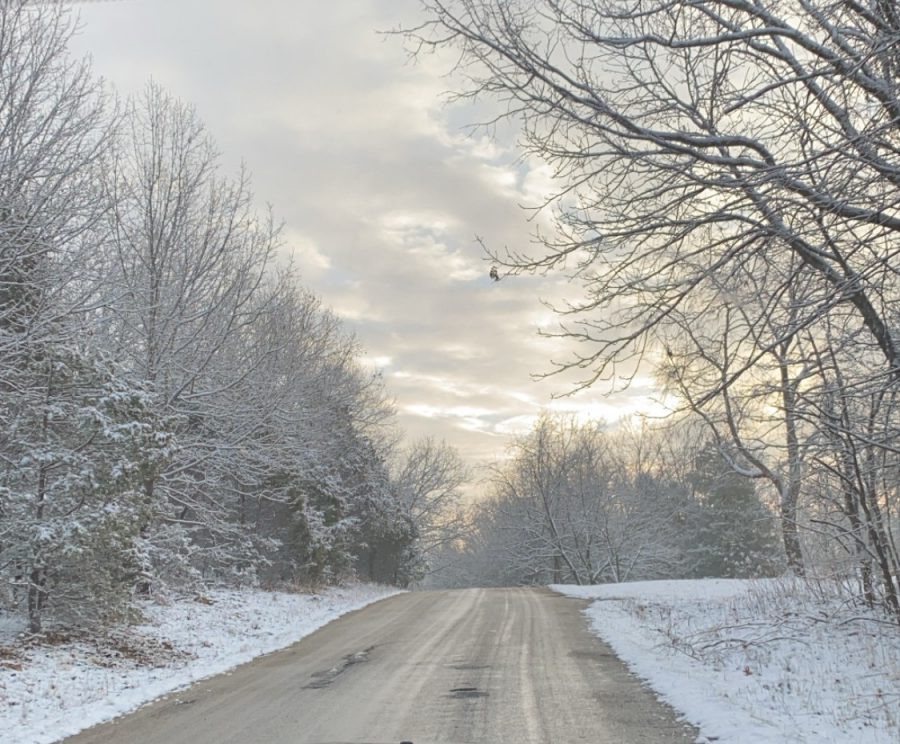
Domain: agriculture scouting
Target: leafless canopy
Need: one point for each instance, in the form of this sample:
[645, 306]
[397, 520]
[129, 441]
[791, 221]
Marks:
[696, 142]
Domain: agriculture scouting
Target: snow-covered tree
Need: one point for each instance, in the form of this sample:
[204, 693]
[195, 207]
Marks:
[312, 482]
[172, 407]
[78, 443]
[428, 479]
[731, 157]
[186, 259]
[66, 507]
[575, 504]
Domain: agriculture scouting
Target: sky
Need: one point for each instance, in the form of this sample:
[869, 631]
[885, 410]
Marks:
[382, 188]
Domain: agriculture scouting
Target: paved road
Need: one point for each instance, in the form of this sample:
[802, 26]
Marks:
[478, 666]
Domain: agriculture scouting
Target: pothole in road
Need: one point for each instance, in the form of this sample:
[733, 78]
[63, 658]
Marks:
[326, 677]
[466, 692]
[469, 667]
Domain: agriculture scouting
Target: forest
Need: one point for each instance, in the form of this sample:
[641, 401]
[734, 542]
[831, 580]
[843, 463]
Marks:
[178, 411]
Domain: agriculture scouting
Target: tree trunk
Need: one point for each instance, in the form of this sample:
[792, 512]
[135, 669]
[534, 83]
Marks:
[851, 509]
[876, 538]
[37, 596]
[789, 533]
[790, 493]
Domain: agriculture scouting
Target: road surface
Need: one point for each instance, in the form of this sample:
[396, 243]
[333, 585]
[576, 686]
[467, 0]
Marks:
[476, 666]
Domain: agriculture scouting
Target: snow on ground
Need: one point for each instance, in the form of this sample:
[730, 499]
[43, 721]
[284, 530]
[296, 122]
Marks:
[757, 662]
[55, 689]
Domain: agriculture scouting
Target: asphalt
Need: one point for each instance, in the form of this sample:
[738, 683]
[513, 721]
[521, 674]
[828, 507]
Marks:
[475, 666]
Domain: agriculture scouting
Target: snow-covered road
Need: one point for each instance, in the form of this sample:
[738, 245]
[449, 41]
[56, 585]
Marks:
[51, 691]
[748, 662]
[482, 666]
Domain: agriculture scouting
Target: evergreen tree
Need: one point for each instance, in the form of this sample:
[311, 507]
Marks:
[728, 531]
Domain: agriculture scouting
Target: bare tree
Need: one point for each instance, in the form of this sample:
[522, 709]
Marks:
[428, 477]
[54, 129]
[751, 410]
[574, 504]
[689, 138]
[856, 460]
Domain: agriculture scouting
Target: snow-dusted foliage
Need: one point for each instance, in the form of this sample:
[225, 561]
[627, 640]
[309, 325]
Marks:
[173, 408]
[74, 446]
[64, 478]
[577, 504]
[186, 260]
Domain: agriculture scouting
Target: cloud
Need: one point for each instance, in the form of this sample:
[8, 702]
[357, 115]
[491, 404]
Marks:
[383, 191]
[305, 252]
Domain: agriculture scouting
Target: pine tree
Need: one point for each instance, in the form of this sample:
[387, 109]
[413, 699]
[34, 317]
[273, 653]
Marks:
[728, 531]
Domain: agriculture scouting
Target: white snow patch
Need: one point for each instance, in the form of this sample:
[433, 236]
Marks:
[50, 692]
[755, 662]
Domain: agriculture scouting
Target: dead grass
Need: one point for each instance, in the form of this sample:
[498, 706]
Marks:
[108, 648]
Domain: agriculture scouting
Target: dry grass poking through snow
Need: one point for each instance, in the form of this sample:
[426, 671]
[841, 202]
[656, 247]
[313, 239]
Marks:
[758, 661]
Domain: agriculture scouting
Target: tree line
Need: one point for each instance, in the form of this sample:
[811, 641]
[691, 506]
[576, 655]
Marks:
[175, 409]
[584, 503]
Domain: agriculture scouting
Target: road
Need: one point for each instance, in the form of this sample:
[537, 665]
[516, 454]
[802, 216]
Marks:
[476, 666]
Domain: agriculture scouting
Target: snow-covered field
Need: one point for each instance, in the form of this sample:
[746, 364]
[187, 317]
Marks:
[50, 691]
[756, 662]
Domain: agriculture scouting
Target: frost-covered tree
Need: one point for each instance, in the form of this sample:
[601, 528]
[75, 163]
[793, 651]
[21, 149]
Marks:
[53, 131]
[78, 444]
[280, 470]
[741, 373]
[313, 478]
[705, 152]
[690, 139]
[186, 258]
[853, 464]
[574, 504]
[172, 409]
[428, 478]
[66, 512]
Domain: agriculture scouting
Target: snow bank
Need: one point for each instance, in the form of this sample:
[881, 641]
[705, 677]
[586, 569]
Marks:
[48, 692]
[756, 662]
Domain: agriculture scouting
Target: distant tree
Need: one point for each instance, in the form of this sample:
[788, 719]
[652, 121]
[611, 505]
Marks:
[314, 484]
[573, 505]
[428, 479]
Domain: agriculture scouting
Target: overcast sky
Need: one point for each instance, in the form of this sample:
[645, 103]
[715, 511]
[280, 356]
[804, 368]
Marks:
[382, 191]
